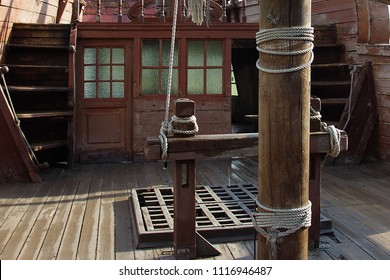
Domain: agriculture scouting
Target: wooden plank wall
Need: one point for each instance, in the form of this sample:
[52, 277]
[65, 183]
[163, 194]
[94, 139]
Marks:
[16, 11]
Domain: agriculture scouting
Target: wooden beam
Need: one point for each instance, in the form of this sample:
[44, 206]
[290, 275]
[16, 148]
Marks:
[61, 9]
[227, 145]
[284, 127]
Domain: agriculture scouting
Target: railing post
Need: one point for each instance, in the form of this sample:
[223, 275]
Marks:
[162, 8]
[120, 11]
[98, 11]
[243, 11]
[224, 16]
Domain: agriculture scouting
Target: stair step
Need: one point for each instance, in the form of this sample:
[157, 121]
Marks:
[38, 75]
[16, 89]
[38, 26]
[52, 114]
[330, 83]
[325, 34]
[49, 34]
[33, 66]
[38, 46]
[48, 145]
[330, 65]
[334, 101]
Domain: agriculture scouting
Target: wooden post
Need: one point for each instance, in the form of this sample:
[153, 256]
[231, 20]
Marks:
[284, 117]
[184, 235]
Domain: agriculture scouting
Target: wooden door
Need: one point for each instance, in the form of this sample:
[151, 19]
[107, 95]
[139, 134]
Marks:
[103, 101]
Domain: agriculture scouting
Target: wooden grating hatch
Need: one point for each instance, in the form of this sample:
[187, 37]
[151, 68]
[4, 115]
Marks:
[223, 213]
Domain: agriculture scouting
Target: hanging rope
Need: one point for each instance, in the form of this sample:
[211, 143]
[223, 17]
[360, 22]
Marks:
[297, 33]
[198, 9]
[165, 123]
[268, 222]
[195, 8]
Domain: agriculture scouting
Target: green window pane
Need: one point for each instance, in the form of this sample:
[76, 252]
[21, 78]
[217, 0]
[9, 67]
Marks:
[104, 89]
[89, 56]
[104, 56]
[118, 56]
[214, 53]
[149, 81]
[150, 53]
[164, 81]
[214, 81]
[89, 90]
[118, 89]
[118, 72]
[166, 52]
[195, 81]
[104, 73]
[89, 73]
[195, 53]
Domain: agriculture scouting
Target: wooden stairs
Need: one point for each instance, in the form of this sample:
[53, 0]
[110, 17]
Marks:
[38, 81]
[347, 94]
[330, 77]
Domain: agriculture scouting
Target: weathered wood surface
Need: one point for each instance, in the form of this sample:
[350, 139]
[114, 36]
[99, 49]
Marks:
[284, 126]
[46, 220]
[226, 145]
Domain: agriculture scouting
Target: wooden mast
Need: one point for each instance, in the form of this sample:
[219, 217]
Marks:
[284, 117]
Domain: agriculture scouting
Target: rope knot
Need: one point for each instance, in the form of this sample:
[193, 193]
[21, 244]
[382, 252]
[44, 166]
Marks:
[268, 222]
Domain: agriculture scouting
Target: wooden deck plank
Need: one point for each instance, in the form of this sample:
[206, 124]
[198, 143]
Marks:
[106, 235]
[358, 232]
[9, 197]
[89, 231]
[19, 207]
[16, 228]
[52, 242]
[56, 211]
[71, 237]
[239, 251]
[124, 249]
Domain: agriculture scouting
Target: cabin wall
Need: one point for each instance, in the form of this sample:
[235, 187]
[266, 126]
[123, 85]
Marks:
[16, 11]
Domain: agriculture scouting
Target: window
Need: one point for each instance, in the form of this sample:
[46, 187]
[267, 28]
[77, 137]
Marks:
[205, 67]
[104, 73]
[155, 67]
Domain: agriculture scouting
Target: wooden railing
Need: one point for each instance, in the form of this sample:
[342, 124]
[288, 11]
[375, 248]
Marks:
[151, 10]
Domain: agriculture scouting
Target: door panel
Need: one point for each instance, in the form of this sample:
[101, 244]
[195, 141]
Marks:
[103, 101]
[105, 128]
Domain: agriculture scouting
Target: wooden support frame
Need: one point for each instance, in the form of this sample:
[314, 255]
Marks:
[184, 236]
[227, 145]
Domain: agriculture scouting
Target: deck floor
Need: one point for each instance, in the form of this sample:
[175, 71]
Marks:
[84, 213]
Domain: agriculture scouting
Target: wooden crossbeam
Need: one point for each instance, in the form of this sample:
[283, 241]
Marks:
[227, 145]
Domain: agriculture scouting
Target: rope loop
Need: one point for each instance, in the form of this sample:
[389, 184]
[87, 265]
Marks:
[187, 120]
[269, 221]
[335, 138]
[295, 33]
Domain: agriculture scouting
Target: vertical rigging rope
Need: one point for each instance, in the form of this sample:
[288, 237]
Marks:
[165, 123]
